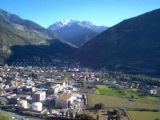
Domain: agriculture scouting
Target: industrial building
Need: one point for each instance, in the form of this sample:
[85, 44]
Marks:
[39, 96]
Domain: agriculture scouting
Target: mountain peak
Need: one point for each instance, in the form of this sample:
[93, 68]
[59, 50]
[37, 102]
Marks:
[76, 32]
[64, 23]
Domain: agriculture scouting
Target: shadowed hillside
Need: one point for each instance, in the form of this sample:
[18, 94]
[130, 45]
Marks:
[132, 45]
[42, 54]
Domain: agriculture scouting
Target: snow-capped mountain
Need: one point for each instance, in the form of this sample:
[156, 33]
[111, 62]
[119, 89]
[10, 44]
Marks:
[76, 32]
[59, 25]
[65, 23]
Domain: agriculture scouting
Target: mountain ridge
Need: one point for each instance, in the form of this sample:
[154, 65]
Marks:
[15, 30]
[132, 45]
[76, 32]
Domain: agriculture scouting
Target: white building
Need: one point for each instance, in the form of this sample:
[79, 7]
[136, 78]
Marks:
[64, 100]
[153, 92]
[58, 86]
[1, 92]
[22, 104]
[37, 106]
[39, 96]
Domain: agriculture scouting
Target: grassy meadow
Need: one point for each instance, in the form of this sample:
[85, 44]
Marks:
[137, 115]
[112, 97]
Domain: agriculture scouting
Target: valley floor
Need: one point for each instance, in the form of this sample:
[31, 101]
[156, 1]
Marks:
[112, 98]
[137, 115]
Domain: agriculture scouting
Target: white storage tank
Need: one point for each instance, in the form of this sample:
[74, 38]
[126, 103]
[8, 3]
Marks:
[22, 104]
[37, 106]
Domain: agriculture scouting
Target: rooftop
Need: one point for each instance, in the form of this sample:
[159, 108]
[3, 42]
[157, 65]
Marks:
[64, 96]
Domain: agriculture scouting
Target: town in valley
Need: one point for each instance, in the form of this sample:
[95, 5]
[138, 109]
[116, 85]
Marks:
[53, 92]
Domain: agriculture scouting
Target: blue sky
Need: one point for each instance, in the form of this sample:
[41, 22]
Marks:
[99, 12]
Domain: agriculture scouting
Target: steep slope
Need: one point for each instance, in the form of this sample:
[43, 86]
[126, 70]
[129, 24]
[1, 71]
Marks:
[8, 39]
[17, 31]
[24, 28]
[76, 32]
[132, 45]
[41, 54]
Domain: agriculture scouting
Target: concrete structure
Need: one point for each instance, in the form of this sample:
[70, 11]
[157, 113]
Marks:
[22, 104]
[64, 100]
[153, 92]
[58, 86]
[37, 106]
[1, 79]
[39, 96]
[1, 92]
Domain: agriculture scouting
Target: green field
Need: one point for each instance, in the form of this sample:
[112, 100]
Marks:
[4, 116]
[112, 97]
[137, 115]
[109, 91]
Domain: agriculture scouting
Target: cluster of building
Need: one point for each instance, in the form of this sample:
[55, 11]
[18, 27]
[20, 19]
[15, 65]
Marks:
[57, 90]
[38, 91]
